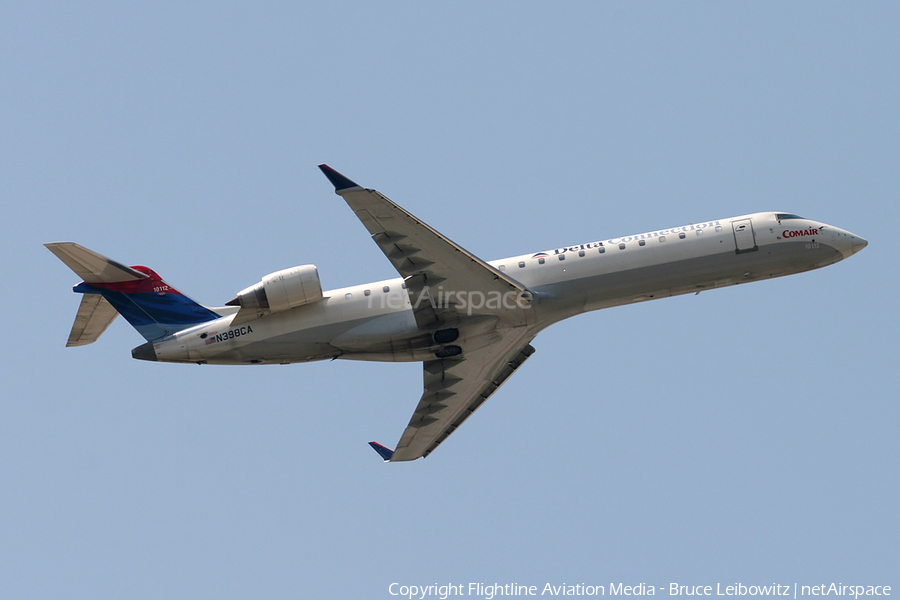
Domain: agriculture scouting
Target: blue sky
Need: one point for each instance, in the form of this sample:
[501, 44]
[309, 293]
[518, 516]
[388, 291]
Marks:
[742, 435]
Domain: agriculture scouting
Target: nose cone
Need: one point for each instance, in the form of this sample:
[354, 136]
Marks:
[850, 243]
[144, 352]
[843, 241]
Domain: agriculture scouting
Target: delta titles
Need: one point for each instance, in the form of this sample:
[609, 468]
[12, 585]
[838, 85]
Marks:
[640, 236]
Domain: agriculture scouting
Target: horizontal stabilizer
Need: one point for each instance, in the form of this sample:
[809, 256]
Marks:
[385, 452]
[94, 315]
[93, 267]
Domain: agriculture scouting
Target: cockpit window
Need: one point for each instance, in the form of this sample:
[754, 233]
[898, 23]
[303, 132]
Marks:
[784, 216]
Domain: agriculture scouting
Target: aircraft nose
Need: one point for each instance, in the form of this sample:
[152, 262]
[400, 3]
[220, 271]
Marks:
[849, 243]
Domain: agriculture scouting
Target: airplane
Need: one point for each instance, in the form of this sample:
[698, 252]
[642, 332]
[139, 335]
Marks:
[469, 322]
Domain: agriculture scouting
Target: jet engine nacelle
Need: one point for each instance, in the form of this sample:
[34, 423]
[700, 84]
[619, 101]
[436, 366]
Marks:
[282, 290]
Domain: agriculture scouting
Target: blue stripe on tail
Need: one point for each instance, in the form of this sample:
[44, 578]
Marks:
[153, 314]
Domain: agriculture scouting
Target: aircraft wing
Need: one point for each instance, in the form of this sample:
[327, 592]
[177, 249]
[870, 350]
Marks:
[431, 264]
[455, 387]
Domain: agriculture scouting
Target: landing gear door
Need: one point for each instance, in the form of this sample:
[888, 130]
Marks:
[744, 238]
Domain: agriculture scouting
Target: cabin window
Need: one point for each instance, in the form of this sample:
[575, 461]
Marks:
[403, 286]
[367, 293]
[348, 295]
[699, 232]
[521, 264]
[718, 228]
[386, 289]
[681, 236]
[581, 253]
[502, 267]
[562, 257]
[540, 261]
[602, 249]
[621, 246]
[642, 243]
[662, 238]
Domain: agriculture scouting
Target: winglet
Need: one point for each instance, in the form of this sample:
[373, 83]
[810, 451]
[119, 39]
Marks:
[385, 452]
[339, 182]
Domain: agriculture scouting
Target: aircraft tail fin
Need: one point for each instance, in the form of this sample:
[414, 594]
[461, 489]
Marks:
[153, 307]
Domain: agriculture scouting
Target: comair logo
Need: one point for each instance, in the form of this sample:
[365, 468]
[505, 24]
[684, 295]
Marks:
[803, 232]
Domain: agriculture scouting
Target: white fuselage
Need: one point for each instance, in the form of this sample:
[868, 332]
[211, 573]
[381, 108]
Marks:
[375, 321]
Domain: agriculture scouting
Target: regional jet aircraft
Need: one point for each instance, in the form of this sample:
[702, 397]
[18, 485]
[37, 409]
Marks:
[469, 322]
